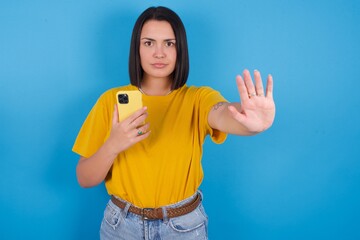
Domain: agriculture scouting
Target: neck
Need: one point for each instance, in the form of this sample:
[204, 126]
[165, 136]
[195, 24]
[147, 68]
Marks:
[156, 87]
[154, 93]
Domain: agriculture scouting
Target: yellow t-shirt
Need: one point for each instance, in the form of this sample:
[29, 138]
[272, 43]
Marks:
[164, 168]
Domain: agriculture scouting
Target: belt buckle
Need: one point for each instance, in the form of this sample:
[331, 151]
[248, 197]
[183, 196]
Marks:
[144, 211]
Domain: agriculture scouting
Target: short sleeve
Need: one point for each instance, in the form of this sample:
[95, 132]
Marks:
[95, 128]
[208, 98]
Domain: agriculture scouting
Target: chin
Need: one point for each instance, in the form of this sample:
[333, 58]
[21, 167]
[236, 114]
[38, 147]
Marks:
[160, 75]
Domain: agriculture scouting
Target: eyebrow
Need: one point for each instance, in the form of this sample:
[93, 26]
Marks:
[150, 39]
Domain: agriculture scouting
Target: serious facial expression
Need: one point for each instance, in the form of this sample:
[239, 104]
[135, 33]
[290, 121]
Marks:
[157, 50]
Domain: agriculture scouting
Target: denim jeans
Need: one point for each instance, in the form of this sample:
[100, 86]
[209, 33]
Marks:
[123, 225]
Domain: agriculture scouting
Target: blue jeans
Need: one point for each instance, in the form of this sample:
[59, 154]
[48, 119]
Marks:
[123, 225]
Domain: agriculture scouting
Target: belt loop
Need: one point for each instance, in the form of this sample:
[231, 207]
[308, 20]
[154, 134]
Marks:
[126, 209]
[165, 216]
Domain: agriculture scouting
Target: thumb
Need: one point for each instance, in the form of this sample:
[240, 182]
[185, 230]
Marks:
[115, 118]
[236, 114]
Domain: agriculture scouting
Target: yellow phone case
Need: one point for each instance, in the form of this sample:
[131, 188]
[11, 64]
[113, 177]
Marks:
[128, 102]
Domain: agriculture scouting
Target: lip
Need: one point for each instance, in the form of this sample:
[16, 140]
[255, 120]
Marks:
[159, 65]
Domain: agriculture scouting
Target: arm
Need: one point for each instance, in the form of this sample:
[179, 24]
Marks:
[253, 115]
[93, 170]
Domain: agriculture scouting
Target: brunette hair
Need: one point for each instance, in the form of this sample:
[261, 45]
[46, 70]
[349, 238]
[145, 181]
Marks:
[181, 70]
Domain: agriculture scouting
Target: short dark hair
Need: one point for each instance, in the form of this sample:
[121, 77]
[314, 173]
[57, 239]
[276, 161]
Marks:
[181, 70]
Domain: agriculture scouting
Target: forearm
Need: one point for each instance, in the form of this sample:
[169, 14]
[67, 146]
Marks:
[93, 170]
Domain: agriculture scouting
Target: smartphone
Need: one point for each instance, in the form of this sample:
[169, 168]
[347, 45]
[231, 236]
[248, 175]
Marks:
[128, 102]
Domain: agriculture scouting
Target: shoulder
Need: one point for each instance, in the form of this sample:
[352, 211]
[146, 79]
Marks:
[203, 96]
[201, 91]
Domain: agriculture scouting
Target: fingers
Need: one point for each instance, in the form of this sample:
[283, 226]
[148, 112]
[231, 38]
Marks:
[258, 84]
[269, 87]
[138, 121]
[142, 136]
[244, 95]
[131, 124]
[115, 118]
[249, 83]
[135, 123]
[142, 130]
[133, 118]
[129, 131]
[247, 89]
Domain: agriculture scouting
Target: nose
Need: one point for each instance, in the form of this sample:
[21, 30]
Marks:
[159, 52]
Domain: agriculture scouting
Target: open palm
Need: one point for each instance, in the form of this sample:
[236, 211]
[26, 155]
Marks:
[257, 109]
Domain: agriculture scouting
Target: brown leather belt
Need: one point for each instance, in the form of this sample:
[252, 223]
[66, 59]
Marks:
[157, 213]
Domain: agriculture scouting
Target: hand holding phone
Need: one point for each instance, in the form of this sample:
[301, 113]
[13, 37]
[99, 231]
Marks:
[128, 122]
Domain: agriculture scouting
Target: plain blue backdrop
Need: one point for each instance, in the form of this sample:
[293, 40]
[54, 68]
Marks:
[298, 180]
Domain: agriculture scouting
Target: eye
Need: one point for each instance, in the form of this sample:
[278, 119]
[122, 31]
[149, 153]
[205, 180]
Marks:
[148, 43]
[169, 43]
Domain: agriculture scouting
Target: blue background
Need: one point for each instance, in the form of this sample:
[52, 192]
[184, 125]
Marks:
[298, 180]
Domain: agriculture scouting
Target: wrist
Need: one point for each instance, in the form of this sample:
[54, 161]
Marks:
[111, 147]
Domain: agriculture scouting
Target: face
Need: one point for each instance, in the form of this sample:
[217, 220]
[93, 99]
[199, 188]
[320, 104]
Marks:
[157, 50]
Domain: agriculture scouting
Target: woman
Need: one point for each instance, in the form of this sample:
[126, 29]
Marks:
[152, 171]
